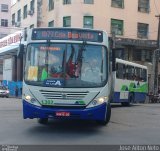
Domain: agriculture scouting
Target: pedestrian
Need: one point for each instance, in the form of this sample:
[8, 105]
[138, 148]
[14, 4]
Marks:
[21, 90]
[16, 91]
[158, 90]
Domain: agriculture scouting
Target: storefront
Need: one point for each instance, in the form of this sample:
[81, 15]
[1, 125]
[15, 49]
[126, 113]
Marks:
[138, 51]
[12, 70]
[12, 66]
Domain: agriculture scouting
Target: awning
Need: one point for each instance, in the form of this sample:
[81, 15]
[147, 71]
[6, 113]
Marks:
[9, 44]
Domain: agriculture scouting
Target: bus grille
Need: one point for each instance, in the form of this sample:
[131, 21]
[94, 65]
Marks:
[64, 95]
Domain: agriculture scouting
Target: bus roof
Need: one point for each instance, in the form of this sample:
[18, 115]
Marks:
[130, 63]
[70, 28]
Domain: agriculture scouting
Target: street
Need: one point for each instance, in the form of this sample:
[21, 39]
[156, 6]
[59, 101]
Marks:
[138, 124]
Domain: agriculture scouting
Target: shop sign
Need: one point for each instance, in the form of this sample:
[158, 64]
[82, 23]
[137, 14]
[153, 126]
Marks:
[10, 39]
[136, 42]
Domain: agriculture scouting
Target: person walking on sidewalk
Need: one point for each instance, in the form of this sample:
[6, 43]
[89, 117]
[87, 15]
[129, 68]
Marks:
[16, 91]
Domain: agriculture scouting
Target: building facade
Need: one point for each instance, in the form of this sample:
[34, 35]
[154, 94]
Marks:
[24, 14]
[5, 12]
[5, 22]
[132, 22]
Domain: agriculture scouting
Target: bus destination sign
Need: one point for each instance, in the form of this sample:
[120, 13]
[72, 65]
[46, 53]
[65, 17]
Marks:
[67, 34]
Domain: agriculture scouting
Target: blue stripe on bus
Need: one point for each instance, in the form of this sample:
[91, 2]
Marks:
[95, 113]
[138, 97]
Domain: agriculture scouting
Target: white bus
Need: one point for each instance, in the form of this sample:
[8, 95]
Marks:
[131, 82]
[67, 75]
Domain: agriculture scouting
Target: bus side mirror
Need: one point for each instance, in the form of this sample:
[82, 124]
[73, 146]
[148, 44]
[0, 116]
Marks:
[113, 60]
[20, 51]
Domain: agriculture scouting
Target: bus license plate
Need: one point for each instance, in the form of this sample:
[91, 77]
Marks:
[66, 114]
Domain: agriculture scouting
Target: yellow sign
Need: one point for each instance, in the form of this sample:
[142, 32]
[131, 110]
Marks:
[33, 73]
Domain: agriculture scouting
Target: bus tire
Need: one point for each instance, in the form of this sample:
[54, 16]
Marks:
[107, 117]
[43, 120]
[125, 103]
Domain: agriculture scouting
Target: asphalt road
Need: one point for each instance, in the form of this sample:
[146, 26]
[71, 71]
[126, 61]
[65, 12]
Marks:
[138, 124]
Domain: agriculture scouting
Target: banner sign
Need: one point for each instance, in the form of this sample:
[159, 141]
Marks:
[10, 39]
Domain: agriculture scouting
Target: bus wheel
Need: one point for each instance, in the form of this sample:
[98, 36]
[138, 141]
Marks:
[125, 103]
[43, 120]
[107, 117]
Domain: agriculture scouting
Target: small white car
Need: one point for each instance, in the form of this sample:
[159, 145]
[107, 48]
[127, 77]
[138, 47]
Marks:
[4, 92]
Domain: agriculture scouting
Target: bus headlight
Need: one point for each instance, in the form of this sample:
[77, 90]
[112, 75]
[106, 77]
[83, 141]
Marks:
[28, 97]
[97, 102]
[32, 100]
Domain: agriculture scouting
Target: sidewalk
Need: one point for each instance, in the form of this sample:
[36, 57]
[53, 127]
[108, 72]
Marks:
[19, 97]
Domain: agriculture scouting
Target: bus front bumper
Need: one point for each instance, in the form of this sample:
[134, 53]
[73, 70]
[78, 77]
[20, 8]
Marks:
[95, 113]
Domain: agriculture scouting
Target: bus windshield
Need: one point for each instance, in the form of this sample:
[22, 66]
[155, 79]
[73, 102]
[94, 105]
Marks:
[66, 65]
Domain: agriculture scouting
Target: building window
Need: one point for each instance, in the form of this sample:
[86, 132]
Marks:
[4, 8]
[121, 53]
[4, 22]
[65, 2]
[32, 5]
[51, 23]
[143, 6]
[136, 56]
[142, 55]
[88, 1]
[117, 26]
[51, 5]
[13, 19]
[142, 30]
[1, 68]
[148, 55]
[19, 15]
[67, 21]
[88, 22]
[31, 11]
[32, 26]
[117, 3]
[25, 12]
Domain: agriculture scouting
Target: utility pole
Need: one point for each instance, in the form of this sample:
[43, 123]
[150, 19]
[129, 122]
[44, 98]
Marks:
[158, 37]
[113, 51]
[156, 60]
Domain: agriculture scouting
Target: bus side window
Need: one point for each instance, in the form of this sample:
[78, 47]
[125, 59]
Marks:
[138, 73]
[127, 72]
[119, 71]
[141, 78]
[144, 75]
[124, 71]
[133, 73]
[130, 73]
